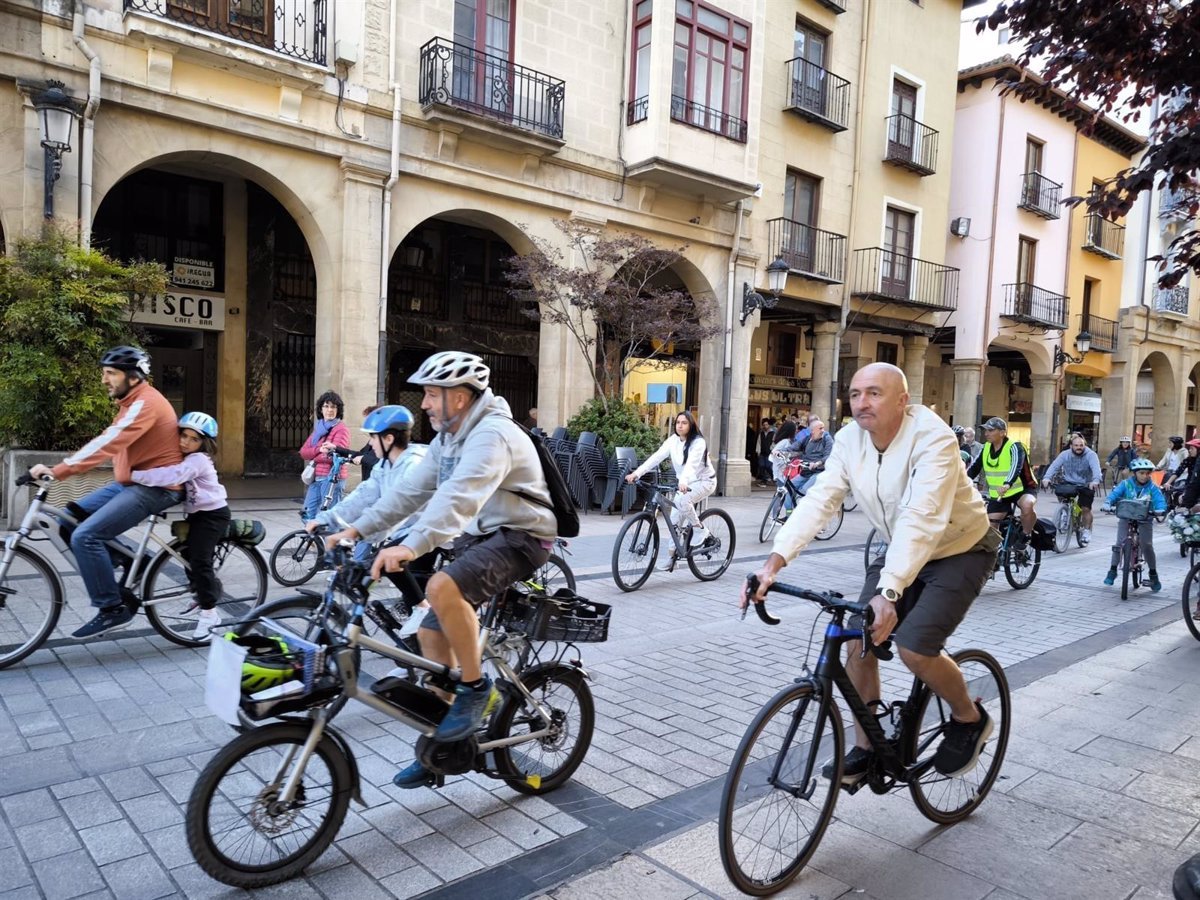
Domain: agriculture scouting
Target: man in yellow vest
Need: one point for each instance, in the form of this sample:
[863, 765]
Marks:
[1003, 464]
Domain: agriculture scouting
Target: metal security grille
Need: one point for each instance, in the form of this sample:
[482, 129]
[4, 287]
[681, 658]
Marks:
[515, 379]
[292, 364]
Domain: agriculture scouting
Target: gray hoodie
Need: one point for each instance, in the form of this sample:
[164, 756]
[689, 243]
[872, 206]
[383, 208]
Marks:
[469, 482]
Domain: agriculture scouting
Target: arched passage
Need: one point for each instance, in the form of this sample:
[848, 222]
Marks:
[1156, 402]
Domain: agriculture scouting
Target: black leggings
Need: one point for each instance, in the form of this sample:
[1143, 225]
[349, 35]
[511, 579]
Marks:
[205, 530]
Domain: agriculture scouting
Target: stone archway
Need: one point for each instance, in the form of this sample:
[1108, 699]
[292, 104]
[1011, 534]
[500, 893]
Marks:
[1157, 408]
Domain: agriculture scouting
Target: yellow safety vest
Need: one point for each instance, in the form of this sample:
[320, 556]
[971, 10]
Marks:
[996, 471]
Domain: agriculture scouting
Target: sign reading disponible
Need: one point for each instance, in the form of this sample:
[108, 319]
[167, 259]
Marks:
[181, 309]
[198, 273]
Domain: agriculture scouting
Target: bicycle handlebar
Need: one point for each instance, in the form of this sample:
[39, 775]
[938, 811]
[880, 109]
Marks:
[828, 600]
[25, 479]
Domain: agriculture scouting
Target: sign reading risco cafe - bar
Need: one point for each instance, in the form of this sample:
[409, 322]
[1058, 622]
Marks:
[182, 309]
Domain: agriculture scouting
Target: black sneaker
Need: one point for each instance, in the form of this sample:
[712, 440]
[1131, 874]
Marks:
[854, 767]
[960, 748]
[113, 618]
[131, 600]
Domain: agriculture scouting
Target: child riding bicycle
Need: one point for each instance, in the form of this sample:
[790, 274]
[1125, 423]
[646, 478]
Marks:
[1137, 487]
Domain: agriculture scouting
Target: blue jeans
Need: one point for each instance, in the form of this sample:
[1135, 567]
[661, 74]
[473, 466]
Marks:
[113, 509]
[802, 482]
[315, 494]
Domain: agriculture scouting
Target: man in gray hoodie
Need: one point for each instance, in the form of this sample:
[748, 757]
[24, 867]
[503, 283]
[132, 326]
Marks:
[481, 485]
[1078, 469]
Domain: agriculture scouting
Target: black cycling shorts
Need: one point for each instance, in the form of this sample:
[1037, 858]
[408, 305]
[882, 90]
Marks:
[1082, 492]
[1007, 504]
[485, 565]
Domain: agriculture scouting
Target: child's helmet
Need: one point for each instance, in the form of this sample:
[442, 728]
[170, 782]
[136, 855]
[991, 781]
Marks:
[201, 423]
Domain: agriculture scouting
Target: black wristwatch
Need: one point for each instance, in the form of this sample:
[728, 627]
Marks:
[890, 595]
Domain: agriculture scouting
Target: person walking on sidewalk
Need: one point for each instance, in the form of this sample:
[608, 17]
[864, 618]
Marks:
[328, 434]
[1137, 486]
[1079, 467]
[902, 464]
[142, 435]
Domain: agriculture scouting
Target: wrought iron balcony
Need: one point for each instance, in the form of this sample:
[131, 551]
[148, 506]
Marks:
[1032, 305]
[1040, 195]
[911, 145]
[703, 117]
[637, 111]
[881, 274]
[809, 252]
[295, 28]
[818, 95]
[1102, 237]
[459, 76]
[1172, 300]
[1103, 332]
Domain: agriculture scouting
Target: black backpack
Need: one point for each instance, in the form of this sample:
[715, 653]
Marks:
[561, 503]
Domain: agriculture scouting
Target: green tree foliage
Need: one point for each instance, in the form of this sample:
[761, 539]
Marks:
[61, 307]
[620, 425]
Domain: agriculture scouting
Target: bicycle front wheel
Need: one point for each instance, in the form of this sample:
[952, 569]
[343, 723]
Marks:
[635, 552]
[709, 561]
[171, 604]
[1126, 567]
[31, 600]
[1021, 565]
[776, 804]
[771, 518]
[1191, 600]
[833, 526]
[238, 830]
[296, 557]
[940, 798]
[1062, 529]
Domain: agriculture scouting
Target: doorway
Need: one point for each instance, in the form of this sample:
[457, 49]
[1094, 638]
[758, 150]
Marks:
[179, 376]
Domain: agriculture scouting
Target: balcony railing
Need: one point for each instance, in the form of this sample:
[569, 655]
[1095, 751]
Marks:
[1102, 237]
[703, 117]
[1172, 300]
[1103, 332]
[838, 6]
[295, 28]
[1033, 305]
[637, 110]
[818, 95]
[911, 145]
[887, 275]
[785, 371]
[809, 252]
[1040, 195]
[462, 77]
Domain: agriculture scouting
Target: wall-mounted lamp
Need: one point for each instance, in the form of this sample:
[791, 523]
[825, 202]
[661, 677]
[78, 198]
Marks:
[57, 111]
[1083, 343]
[777, 273]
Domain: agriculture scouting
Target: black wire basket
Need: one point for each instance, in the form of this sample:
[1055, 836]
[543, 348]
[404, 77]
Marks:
[561, 616]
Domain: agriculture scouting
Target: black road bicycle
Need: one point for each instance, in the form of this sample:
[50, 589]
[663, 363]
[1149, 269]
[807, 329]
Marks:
[784, 501]
[776, 802]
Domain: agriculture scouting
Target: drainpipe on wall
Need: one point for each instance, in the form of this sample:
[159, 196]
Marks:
[385, 228]
[1060, 384]
[87, 139]
[1141, 282]
[727, 373]
[987, 303]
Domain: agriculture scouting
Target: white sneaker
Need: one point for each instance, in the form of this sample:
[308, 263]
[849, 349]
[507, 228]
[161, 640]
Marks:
[208, 618]
[699, 536]
[1085, 535]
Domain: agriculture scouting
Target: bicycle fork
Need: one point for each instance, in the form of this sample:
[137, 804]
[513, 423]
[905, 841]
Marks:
[807, 784]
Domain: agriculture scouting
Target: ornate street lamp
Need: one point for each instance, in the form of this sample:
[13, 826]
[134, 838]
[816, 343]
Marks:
[777, 273]
[1083, 343]
[57, 111]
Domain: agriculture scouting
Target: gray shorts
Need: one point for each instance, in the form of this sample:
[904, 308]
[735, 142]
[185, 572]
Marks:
[937, 600]
[485, 565]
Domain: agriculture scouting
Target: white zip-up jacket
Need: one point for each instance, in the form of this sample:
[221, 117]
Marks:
[698, 467]
[915, 493]
[384, 477]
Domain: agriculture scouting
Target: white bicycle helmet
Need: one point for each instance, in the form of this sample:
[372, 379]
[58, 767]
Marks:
[452, 368]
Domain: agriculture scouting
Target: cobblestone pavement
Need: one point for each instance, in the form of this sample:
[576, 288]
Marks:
[101, 743]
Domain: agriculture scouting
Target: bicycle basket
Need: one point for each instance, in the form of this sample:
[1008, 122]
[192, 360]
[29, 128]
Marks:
[1133, 510]
[303, 662]
[563, 616]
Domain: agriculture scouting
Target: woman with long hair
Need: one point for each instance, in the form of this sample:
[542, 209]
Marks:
[329, 432]
[688, 452]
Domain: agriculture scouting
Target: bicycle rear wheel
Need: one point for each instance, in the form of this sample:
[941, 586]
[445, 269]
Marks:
[1062, 528]
[635, 552]
[875, 548]
[771, 518]
[709, 561]
[1126, 567]
[31, 600]
[849, 502]
[940, 798]
[1021, 565]
[296, 557]
[768, 832]
[1191, 599]
[171, 604]
[833, 526]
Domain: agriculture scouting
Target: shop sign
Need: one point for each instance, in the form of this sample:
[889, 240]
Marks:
[182, 309]
[193, 273]
[1084, 402]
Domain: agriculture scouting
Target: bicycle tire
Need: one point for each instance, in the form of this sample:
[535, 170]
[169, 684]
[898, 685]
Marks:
[1018, 562]
[1077, 527]
[705, 563]
[1062, 529]
[1126, 565]
[200, 837]
[29, 616]
[553, 574]
[770, 518]
[832, 527]
[170, 602]
[874, 548]
[1191, 598]
[295, 558]
[518, 765]
[963, 793]
[849, 502]
[746, 792]
[641, 554]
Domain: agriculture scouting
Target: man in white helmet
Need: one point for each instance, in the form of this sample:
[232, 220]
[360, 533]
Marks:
[481, 485]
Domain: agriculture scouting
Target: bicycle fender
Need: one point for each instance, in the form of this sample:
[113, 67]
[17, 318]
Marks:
[355, 780]
[577, 670]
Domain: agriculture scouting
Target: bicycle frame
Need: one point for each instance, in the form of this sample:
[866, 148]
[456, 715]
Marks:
[658, 500]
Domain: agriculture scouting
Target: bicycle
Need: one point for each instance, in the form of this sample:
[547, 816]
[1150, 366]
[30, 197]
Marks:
[875, 547]
[776, 803]
[1191, 586]
[272, 800]
[1019, 559]
[1068, 517]
[297, 555]
[1133, 566]
[32, 591]
[780, 509]
[636, 549]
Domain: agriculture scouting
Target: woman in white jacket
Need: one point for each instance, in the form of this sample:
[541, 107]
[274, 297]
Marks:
[697, 478]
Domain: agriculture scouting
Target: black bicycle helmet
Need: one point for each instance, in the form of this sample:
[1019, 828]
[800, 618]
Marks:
[127, 359]
[1176, 440]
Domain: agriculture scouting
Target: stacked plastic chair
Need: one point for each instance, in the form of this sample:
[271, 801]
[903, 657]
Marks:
[623, 461]
[591, 470]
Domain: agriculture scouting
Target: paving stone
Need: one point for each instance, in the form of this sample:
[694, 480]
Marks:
[464, 830]
[112, 841]
[396, 823]
[74, 788]
[13, 871]
[443, 857]
[137, 878]
[519, 828]
[152, 812]
[348, 881]
[90, 809]
[126, 784]
[29, 807]
[50, 837]
[629, 876]
[38, 768]
[66, 876]
[170, 846]
[410, 882]
[375, 853]
[196, 885]
[495, 850]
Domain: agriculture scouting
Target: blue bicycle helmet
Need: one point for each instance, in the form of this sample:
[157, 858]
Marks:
[388, 418]
[1136, 465]
[201, 423]
[127, 359]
